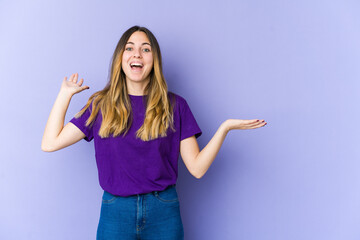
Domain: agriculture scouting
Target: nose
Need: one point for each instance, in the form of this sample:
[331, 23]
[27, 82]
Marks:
[137, 53]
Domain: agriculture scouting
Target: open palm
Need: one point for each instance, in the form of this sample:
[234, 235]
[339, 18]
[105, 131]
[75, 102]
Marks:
[244, 124]
[73, 86]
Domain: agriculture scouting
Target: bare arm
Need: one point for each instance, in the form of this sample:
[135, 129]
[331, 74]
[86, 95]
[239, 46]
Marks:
[56, 136]
[199, 162]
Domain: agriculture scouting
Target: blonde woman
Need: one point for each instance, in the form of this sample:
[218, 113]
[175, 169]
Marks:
[139, 129]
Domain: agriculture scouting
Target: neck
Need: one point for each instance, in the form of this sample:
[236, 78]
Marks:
[137, 88]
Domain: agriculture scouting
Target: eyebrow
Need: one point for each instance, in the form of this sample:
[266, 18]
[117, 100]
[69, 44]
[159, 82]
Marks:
[145, 43]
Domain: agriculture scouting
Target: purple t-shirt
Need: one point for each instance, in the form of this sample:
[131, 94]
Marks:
[127, 165]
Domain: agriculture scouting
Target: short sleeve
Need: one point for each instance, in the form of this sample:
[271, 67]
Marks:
[80, 123]
[188, 124]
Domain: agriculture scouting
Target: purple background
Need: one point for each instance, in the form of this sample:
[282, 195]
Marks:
[293, 63]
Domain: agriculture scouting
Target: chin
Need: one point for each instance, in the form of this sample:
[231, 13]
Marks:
[137, 79]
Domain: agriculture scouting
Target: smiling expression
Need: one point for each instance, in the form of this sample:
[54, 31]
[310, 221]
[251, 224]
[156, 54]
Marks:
[137, 60]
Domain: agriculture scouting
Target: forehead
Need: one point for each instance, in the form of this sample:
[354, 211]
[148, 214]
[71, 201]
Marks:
[138, 38]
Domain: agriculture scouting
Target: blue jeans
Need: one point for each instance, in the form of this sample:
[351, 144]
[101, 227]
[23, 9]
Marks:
[154, 215]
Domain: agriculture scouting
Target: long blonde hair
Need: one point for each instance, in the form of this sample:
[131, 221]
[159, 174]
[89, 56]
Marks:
[115, 104]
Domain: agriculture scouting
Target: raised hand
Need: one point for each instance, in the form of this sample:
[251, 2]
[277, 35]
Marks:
[244, 124]
[73, 86]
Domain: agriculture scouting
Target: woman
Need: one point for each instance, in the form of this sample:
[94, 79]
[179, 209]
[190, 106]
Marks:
[139, 128]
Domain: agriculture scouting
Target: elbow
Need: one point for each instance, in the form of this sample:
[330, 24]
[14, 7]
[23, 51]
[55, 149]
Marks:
[196, 172]
[198, 176]
[46, 148]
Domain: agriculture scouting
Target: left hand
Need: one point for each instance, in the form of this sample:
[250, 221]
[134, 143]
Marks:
[231, 124]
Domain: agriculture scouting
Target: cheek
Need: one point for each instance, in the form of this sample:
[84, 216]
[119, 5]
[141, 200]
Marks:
[124, 64]
[125, 58]
[150, 61]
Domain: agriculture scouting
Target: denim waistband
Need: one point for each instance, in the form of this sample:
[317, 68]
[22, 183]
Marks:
[170, 186]
[153, 192]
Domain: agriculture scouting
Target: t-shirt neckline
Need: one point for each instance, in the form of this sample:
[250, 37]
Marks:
[137, 95]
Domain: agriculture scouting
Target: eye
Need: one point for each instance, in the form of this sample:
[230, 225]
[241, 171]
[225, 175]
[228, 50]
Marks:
[127, 48]
[147, 50]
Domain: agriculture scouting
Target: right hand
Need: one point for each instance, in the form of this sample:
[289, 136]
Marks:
[72, 86]
[231, 124]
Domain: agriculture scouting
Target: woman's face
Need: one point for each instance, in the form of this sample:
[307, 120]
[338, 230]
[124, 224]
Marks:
[137, 60]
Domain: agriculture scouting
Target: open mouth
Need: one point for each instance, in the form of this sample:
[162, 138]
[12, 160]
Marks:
[136, 66]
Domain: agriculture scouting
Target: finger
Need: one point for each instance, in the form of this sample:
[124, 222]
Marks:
[81, 81]
[260, 121]
[75, 77]
[71, 79]
[252, 122]
[83, 88]
[253, 127]
[258, 124]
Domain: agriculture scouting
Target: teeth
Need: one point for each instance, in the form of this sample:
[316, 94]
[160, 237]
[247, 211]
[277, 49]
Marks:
[136, 64]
